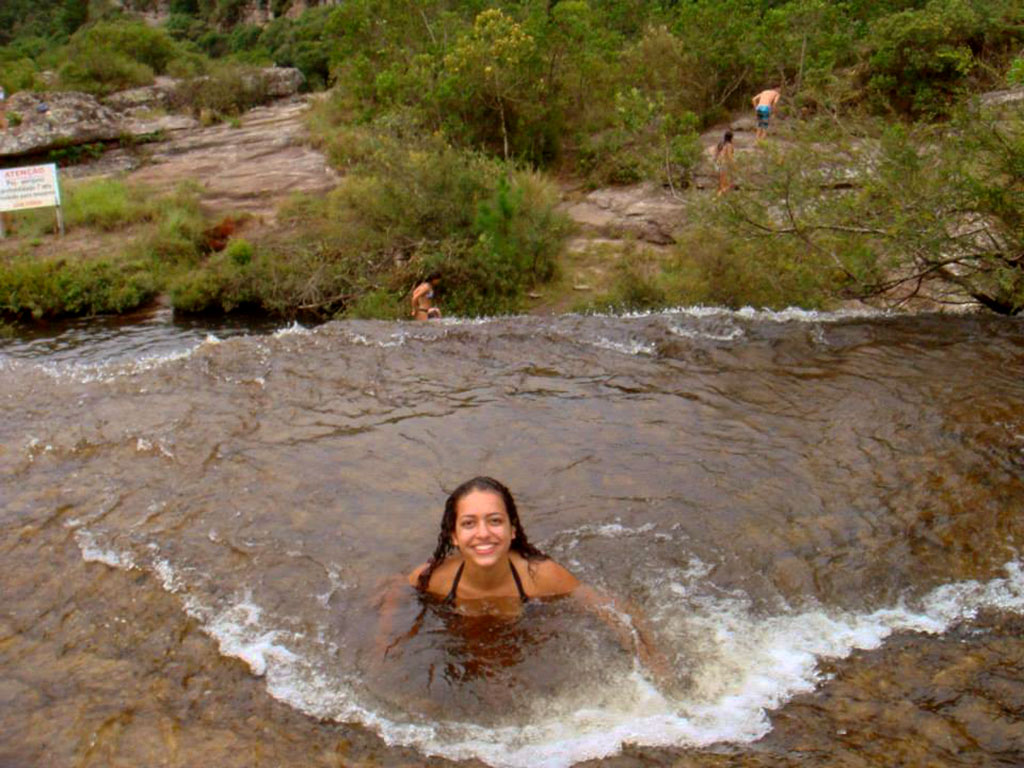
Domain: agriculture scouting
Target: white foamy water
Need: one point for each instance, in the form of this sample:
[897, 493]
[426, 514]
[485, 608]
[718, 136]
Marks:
[745, 666]
[790, 314]
[86, 373]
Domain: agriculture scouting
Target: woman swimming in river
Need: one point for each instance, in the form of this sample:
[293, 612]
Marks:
[484, 564]
[495, 559]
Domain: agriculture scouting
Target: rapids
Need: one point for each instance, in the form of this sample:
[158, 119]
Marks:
[818, 515]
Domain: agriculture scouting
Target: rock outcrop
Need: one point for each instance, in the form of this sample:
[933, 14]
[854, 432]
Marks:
[276, 82]
[43, 121]
[252, 168]
[160, 95]
[645, 212]
[40, 122]
[999, 98]
[251, 12]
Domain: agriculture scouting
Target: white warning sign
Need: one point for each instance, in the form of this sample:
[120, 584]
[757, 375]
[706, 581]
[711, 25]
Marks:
[34, 186]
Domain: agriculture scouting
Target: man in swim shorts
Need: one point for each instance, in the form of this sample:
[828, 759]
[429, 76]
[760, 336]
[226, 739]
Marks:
[764, 103]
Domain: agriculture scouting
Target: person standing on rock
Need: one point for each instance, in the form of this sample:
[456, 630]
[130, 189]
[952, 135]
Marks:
[724, 156]
[764, 104]
[423, 298]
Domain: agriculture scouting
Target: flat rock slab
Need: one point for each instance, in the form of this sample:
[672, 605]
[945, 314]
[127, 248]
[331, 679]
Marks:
[252, 168]
[645, 212]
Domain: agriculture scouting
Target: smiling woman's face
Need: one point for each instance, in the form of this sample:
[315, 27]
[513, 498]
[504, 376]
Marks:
[483, 532]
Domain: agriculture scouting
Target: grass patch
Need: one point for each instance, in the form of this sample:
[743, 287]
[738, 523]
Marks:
[153, 238]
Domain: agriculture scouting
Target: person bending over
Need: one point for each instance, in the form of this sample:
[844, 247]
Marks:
[764, 104]
[423, 298]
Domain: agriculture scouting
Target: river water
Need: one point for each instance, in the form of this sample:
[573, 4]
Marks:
[818, 516]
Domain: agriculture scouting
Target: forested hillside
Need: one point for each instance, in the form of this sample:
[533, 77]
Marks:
[454, 95]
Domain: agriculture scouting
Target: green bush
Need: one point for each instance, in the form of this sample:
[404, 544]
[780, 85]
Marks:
[426, 205]
[920, 59]
[177, 238]
[137, 40]
[713, 266]
[75, 287]
[114, 55]
[220, 285]
[641, 281]
[239, 251]
[379, 304]
[100, 72]
[228, 89]
[16, 73]
[1016, 74]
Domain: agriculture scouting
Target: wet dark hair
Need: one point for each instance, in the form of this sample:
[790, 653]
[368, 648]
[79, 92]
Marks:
[444, 547]
[432, 276]
[726, 139]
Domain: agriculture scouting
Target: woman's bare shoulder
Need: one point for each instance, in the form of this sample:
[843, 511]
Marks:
[549, 578]
[441, 578]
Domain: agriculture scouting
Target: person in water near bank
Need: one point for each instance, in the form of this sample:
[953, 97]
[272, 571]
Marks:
[724, 156]
[423, 298]
[764, 104]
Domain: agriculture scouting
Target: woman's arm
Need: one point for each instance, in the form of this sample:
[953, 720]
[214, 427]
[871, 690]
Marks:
[391, 598]
[414, 300]
[388, 606]
[630, 627]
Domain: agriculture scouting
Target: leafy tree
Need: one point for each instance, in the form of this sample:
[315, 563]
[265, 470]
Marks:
[73, 15]
[802, 42]
[492, 75]
[718, 46]
[921, 58]
[938, 211]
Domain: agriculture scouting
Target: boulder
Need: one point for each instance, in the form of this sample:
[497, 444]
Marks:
[278, 82]
[646, 212]
[147, 98]
[52, 120]
[997, 98]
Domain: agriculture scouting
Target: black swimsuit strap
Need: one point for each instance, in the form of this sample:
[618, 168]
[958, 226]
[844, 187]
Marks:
[519, 583]
[458, 575]
[455, 583]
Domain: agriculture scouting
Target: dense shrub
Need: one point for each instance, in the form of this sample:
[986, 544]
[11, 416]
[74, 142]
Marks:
[115, 55]
[101, 72]
[40, 289]
[921, 59]
[404, 208]
[227, 89]
[17, 73]
[150, 46]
